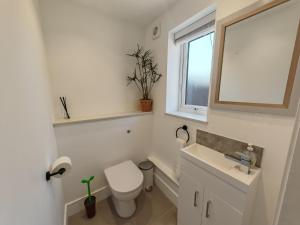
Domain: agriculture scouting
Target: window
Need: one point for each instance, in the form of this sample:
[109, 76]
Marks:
[196, 63]
[190, 51]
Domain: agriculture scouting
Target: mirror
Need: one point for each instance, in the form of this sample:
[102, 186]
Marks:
[258, 56]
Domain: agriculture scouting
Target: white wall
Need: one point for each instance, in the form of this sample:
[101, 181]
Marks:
[96, 145]
[290, 204]
[86, 55]
[27, 140]
[269, 131]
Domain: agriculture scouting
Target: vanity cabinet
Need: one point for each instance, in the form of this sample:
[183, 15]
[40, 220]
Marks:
[208, 199]
[219, 211]
[190, 201]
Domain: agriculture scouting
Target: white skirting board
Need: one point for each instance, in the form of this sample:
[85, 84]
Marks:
[165, 178]
[166, 185]
[167, 172]
[77, 205]
[65, 215]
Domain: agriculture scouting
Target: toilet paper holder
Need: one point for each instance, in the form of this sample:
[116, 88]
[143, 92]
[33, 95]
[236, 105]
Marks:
[60, 172]
[59, 168]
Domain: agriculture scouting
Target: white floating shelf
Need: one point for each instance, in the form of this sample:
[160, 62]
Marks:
[96, 118]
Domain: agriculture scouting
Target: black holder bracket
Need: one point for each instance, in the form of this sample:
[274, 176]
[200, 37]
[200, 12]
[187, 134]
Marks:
[185, 128]
[49, 175]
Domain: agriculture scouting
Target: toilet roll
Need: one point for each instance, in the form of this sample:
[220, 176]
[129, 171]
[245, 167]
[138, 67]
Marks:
[179, 145]
[62, 162]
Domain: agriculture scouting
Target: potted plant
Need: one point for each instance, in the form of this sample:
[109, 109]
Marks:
[145, 76]
[90, 201]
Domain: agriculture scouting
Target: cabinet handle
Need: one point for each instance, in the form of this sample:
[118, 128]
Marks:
[196, 198]
[207, 208]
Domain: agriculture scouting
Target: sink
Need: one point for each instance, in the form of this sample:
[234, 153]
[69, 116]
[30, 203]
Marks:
[216, 163]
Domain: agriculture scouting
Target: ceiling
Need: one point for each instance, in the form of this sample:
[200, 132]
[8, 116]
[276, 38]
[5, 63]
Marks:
[140, 12]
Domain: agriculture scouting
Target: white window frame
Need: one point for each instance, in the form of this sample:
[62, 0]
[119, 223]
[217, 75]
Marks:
[192, 109]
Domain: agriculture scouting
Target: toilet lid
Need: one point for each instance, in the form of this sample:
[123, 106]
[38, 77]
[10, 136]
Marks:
[124, 177]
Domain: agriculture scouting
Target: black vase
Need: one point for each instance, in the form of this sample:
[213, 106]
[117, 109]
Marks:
[90, 207]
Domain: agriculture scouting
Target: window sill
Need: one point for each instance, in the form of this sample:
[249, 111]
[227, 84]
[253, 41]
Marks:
[198, 118]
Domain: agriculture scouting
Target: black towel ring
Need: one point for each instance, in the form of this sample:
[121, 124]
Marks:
[185, 128]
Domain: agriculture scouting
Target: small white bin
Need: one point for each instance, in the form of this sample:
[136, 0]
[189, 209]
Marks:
[147, 168]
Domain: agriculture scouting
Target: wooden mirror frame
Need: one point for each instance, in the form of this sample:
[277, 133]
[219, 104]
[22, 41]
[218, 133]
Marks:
[237, 17]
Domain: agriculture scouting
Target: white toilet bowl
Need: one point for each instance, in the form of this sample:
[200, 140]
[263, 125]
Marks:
[125, 181]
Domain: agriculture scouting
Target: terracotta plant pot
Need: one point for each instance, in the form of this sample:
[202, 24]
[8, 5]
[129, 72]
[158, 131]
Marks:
[90, 207]
[146, 105]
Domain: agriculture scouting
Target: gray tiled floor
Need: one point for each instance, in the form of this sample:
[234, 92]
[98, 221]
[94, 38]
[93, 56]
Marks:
[153, 208]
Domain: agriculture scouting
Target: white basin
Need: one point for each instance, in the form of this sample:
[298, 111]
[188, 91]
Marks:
[215, 163]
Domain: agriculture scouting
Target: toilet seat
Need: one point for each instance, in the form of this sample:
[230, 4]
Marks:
[124, 177]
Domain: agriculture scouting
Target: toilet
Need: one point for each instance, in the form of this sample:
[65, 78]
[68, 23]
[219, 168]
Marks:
[125, 181]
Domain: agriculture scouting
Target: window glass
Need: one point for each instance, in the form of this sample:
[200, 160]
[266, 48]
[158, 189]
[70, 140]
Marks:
[199, 60]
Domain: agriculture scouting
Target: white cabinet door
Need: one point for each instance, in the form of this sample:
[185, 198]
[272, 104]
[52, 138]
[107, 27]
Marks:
[190, 203]
[216, 211]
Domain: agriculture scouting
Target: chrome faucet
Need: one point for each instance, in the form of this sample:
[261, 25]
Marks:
[246, 158]
[246, 161]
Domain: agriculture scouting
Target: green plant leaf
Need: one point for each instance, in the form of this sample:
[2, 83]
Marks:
[91, 178]
[84, 181]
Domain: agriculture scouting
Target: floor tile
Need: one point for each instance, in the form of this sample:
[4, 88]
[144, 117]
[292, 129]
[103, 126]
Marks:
[153, 208]
[169, 218]
[150, 206]
[75, 220]
[116, 218]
